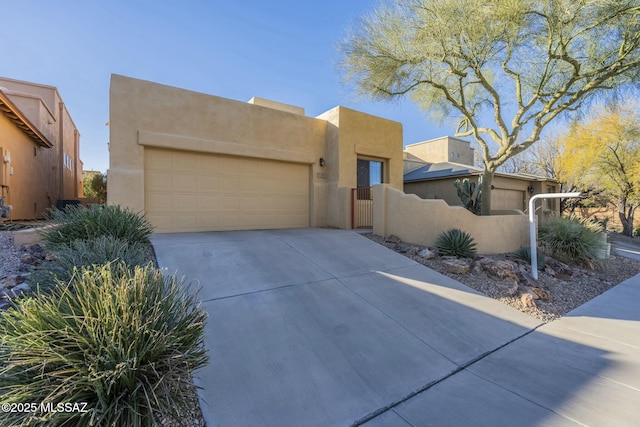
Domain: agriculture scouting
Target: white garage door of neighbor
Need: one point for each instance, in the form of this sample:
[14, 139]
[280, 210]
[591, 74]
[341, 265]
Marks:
[507, 199]
[187, 191]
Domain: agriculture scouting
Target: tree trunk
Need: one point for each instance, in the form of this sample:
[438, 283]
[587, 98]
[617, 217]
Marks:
[487, 179]
[626, 214]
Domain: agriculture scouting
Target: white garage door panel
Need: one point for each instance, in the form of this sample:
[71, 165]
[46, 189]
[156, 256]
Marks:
[199, 192]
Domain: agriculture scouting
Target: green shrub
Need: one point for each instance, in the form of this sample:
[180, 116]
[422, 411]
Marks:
[80, 223]
[84, 253]
[126, 344]
[571, 239]
[457, 243]
[636, 232]
[524, 253]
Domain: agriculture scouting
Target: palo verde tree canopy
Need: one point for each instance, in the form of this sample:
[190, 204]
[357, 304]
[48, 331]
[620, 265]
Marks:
[603, 153]
[506, 68]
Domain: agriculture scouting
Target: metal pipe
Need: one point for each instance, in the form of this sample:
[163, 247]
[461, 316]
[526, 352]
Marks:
[532, 224]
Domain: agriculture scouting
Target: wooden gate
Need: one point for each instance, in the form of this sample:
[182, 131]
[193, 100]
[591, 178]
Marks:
[361, 207]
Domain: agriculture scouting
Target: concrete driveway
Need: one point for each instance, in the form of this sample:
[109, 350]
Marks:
[317, 327]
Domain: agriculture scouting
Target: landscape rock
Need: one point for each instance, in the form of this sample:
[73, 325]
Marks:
[541, 294]
[4, 304]
[508, 287]
[500, 269]
[11, 293]
[392, 238]
[403, 248]
[28, 259]
[525, 277]
[37, 250]
[427, 253]
[8, 282]
[456, 265]
[527, 299]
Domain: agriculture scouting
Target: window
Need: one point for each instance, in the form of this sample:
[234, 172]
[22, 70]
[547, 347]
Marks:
[551, 203]
[68, 162]
[369, 173]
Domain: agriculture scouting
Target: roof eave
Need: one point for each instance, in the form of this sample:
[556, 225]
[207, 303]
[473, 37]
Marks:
[17, 118]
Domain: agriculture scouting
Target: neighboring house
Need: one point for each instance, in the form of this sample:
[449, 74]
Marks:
[196, 162]
[432, 167]
[39, 149]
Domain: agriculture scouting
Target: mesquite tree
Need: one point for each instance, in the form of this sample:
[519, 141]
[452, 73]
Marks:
[507, 68]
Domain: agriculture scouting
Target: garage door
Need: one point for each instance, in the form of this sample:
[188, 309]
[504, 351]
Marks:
[507, 199]
[187, 191]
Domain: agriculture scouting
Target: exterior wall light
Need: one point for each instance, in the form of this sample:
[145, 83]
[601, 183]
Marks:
[321, 162]
[530, 189]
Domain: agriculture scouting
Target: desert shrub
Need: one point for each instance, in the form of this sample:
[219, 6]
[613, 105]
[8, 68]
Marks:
[84, 253]
[524, 253]
[571, 239]
[457, 243]
[80, 223]
[126, 344]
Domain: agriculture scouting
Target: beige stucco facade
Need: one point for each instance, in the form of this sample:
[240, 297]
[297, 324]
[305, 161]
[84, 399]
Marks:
[39, 146]
[444, 149]
[509, 191]
[197, 162]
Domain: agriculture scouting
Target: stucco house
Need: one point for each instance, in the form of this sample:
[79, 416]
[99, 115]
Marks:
[39, 150]
[198, 162]
[431, 168]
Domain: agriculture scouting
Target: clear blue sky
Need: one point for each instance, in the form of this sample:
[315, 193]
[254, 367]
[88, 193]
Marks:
[283, 50]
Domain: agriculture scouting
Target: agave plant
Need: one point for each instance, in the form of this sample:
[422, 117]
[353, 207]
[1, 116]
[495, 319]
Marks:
[457, 243]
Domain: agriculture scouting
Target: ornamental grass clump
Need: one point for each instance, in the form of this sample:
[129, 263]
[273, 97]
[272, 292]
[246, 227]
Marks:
[84, 223]
[456, 242]
[571, 240]
[84, 253]
[125, 344]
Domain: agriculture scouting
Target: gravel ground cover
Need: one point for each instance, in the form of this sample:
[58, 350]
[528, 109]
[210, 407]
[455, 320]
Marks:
[563, 287]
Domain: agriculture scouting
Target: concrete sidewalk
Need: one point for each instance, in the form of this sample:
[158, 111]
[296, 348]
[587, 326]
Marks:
[324, 327]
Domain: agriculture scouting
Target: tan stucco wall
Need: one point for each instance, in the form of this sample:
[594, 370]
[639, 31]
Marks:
[30, 191]
[42, 105]
[276, 105]
[145, 114]
[418, 221]
[440, 150]
[436, 189]
[351, 135]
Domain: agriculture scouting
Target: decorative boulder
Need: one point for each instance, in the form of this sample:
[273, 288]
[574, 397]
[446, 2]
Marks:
[456, 265]
[427, 253]
[541, 294]
[527, 299]
[392, 238]
[500, 269]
